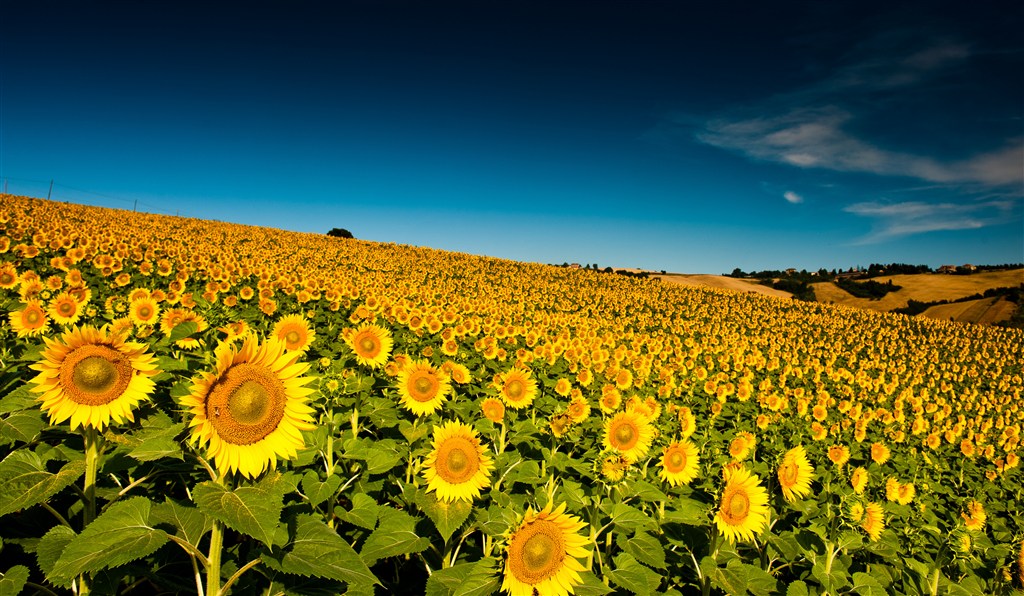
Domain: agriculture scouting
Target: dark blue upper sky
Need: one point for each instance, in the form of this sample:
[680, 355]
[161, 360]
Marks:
[651, 134]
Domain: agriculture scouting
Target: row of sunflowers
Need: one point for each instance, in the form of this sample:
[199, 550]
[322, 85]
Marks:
[200, 407]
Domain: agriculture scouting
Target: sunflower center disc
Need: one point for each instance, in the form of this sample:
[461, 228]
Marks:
[95, 374]
[293, 338]
[789, 473]
[32, 317]
[676, 461]
[66, 309]
[368, 347]
[514, 389]
[457, 460]
[739, 506]
[537, 553]
[145, 312]
[249, 403]
[423, 388]
[625, 435]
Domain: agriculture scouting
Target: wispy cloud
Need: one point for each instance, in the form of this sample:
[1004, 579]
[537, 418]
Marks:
[896, 220]
[822, 124]
[792, 197]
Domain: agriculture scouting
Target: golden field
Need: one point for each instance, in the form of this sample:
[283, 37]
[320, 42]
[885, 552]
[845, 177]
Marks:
[200, 407]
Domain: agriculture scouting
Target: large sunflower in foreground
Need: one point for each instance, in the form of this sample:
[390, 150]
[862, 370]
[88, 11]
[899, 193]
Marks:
[543, 553]
[517, 389]
[629, 433]
[294, 332]
[743, 511]
[91, 378]
[457, 468]
[422, 388]
[795, 473]
[679, 463]
[250, 410]
[371, 345]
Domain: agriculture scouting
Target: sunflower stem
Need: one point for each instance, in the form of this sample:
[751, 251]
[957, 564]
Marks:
[216, 545]
[93, 448]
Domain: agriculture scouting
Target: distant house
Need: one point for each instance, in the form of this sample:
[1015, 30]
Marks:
[791, 271]
[946, 269]
[969, 267]
[574, 266]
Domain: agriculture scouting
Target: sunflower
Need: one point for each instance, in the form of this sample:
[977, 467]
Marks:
[974, 517]
[422, 388]
[294, 332]
[873, 521]
[795, 473]
[859, 480]
[91, 378]
[457, 468]
[8, 276]
[879, 453]
[234, 330]
[839, 454]
[144, 310]
[64, 309]
[687, 422]
[543, 552]
[743, 511]
[578, 409]
[679, 463]
[739, 448]
[371, 345]
[517, 389]
[629, 434]
[493, 409]
[613, 466]
[249, 411]
[457, 372]
[29, 321]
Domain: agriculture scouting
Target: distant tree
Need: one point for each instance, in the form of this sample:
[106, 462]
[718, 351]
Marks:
[737, 272]
[340, 233]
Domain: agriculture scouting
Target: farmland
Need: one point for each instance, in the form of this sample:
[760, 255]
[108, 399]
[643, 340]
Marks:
[202, 407]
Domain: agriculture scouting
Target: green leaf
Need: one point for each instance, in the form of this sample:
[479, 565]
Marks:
[364, 512]
[317, 550]
[491, 521]
[190, 524]
[687, 511]
[380, 456]
[396, 535]
[630, 518]
[21, 426]
[168, 364]
[317, 492]
[572, 494]
[466, 579]
[50, 548]
[14, 580]
[24, 480]
[759, 582]
[647, 492]
[120, 535]
[866, 585]
[251, 510]
[19, 399]
[797, 588]
[183, 330]
[633, 576]
[647, 549]
[832, 579]
[591, 586]
[413, 432]
[447, 516]
[156, 439]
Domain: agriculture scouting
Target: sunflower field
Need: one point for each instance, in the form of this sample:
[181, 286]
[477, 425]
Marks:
[190, 406]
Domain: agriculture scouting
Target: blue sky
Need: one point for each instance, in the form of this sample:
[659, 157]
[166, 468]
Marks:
[630, 134]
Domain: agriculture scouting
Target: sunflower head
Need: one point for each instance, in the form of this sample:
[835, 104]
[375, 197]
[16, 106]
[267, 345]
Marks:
[629, 434]
[743, 511]
[543, 552]
[422, 388]
[371, 344]
[249, 411]
[294, 332]
[679, 463]
[517, 388]
[92, 378]
[457, 468]
[795, 473]
[29, 321]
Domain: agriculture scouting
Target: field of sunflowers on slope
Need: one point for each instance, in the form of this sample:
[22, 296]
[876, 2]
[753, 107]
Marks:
[199, 407]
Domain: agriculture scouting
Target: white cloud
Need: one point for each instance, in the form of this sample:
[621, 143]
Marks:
[895, 220]
[792, 197]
